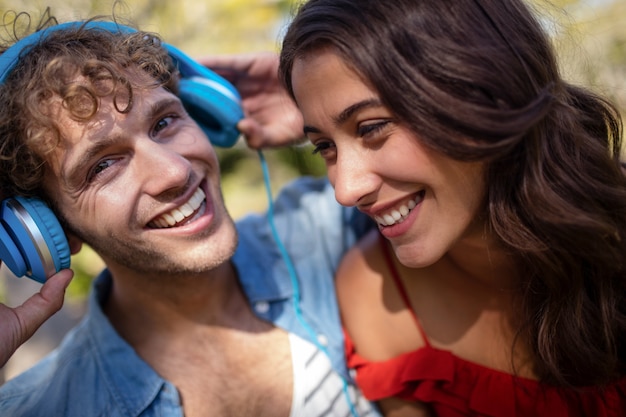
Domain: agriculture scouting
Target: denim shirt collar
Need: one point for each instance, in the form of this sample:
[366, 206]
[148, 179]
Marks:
[260, 265]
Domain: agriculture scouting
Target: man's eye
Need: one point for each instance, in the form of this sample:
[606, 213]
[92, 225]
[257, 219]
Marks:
[101, 166]
[162, 124]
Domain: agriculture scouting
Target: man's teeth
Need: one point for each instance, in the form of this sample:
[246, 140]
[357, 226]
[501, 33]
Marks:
[398, 215]
[181, 213]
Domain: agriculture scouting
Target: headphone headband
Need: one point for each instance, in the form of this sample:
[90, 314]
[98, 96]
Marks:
[10, 57]
[212, 101]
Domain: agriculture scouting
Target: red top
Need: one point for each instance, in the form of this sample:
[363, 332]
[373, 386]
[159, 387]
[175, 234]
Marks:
[455, 387]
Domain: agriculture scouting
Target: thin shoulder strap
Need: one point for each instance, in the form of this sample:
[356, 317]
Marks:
[400, 285]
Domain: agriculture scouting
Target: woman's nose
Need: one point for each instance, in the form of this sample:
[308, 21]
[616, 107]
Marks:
[354, 179]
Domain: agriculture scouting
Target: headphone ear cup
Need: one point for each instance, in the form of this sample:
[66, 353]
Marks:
[210, 99]
[217, 114]
[9, 253]
[38, 235]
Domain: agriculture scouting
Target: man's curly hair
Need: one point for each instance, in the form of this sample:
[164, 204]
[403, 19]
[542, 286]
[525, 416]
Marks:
[50, 70]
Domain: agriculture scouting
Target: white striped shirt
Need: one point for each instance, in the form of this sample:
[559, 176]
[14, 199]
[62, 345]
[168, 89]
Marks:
[318, 390]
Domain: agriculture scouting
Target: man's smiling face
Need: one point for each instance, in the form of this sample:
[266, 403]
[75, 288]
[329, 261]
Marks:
[142, 188]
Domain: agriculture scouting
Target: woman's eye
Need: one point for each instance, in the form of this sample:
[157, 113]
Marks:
[322, 148]
[372, 128]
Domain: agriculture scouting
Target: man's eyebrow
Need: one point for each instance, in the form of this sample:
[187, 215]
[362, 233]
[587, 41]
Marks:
[73, 172]
[161, 105]
[347, 113]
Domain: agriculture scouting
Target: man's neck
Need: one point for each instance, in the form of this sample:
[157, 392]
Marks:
[140, 303]
[198, 332]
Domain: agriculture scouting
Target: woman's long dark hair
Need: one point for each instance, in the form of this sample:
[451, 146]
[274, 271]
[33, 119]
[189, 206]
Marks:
[478, 80]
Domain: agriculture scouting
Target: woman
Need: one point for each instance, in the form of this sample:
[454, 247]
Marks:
[495, 284]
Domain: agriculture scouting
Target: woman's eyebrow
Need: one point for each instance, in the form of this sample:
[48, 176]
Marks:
[350, 110]
[347, 113]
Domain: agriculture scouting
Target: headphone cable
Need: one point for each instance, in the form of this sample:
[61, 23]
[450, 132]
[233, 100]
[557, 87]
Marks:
[294, 279]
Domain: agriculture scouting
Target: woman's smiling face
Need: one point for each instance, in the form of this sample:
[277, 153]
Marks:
[423, 201]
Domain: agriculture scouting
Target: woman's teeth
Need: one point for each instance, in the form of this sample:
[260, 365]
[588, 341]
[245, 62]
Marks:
[398, 215]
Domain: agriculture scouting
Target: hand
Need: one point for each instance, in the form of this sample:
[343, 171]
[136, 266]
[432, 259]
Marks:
[271, 116]
[18, 324]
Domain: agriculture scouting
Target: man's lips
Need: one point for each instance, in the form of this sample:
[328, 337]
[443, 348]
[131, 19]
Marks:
[180, 215]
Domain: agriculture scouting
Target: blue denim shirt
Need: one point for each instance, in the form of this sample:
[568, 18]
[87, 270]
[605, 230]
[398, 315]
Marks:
[94, 372]
[315, 231]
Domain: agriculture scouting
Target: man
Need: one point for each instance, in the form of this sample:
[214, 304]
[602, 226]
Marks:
[175, 326]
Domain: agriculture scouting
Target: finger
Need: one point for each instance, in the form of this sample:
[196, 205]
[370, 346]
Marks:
[42, 305]
[231, 67]
[252, 132]
[217, 61]
[54, 288]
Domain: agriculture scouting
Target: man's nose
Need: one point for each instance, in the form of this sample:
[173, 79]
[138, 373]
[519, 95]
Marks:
[162, 168]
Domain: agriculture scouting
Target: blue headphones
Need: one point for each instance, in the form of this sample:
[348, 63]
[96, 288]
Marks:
[32, 241]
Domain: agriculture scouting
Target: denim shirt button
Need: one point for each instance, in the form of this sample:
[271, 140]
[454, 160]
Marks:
[262, 307]
[322, 339]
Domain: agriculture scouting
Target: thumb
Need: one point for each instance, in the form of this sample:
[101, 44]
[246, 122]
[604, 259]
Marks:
[42, 305]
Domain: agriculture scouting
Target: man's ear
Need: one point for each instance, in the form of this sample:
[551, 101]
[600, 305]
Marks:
[74, 242]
